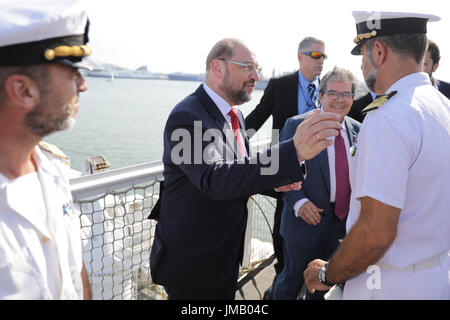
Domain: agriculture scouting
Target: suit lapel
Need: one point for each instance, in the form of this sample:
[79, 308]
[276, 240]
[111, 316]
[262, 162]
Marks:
[292, 93]
[325, 168]
[243, 132]
[220, 120]
[351, 133]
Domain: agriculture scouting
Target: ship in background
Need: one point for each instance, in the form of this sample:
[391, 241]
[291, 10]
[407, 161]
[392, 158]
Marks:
[260, 85]
[111, 72]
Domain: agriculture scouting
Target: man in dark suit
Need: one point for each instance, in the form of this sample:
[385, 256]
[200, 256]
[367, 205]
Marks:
[198, 241]
[283, 98]
[430, 65]
[313, 218]
[359, 104]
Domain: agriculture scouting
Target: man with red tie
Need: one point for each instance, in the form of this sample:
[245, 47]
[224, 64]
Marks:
[209, 176]
[313, 218]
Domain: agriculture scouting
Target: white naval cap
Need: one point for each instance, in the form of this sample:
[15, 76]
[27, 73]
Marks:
[371, 24]
[42, 32]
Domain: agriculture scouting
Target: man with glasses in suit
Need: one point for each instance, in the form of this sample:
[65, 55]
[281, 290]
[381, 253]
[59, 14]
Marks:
[285, 97]
[314, 217]
[202, 219]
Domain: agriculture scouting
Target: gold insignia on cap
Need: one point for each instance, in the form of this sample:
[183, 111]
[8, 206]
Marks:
[363, 36]
[66, 51]
[378, 102]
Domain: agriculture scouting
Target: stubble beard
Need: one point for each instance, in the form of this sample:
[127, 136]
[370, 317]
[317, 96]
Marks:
[371, 78]
[45, 119]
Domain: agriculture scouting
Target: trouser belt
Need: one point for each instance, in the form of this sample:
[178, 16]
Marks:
[419, 266]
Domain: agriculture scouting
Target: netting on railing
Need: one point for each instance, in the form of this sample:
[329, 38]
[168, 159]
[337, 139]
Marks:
[117, 239]
[262, 209]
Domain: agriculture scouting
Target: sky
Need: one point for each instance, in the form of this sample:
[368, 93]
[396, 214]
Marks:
[176, 35]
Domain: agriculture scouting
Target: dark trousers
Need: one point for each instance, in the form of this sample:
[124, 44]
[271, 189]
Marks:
[290, 281]
[277, 239]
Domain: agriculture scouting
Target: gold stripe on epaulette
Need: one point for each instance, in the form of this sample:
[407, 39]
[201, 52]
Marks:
[66, 51]
[54, 150]
[378, 102]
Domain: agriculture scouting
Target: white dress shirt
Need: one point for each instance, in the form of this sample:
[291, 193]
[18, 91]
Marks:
[224, 108]
[331, 165]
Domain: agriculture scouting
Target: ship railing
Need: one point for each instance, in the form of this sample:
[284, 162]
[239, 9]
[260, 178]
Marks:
[117, 235]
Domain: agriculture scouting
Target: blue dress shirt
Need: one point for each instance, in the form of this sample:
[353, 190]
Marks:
[305, 103]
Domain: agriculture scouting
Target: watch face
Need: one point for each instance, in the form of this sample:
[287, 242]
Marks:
[322, 274]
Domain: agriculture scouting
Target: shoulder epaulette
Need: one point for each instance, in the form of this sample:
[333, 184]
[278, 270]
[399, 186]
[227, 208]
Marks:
[378, 102]
[54, 150]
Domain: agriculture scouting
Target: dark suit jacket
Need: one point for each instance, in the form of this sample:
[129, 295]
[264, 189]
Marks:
[358, 105]
[316, 187]
[444, 88]
[280, 100]
[203, 213]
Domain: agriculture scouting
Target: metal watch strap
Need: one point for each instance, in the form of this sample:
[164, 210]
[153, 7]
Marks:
[322, 276]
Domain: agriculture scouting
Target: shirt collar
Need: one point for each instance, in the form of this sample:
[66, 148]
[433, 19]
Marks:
[303, 82]
[411, 80]
[220, 102]
[42, 163]
[435, 83]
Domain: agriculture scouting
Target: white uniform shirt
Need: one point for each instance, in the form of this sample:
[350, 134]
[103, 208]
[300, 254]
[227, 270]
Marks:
[403, 160]
[40, 244]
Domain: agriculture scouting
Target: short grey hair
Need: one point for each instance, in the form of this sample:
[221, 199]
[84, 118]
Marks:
[37, 73]
[338, 74]
[409, 44]
[222, 49]
[307, 42]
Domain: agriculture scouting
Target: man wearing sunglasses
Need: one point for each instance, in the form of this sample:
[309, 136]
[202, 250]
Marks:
[313, 218]
[199, 236]
[285, 97]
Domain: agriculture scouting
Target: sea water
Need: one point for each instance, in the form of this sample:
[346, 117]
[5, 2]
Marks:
[124, 119]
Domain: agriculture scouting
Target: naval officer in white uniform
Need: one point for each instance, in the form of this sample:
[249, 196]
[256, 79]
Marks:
[398, 240]
[41, 48]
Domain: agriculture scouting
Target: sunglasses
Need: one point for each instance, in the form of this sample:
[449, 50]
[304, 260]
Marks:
[315, 54]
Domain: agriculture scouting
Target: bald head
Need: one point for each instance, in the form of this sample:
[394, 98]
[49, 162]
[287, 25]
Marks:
[232, 71]
[223, 49]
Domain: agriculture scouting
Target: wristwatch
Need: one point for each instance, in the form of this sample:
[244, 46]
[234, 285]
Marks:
[322, 276]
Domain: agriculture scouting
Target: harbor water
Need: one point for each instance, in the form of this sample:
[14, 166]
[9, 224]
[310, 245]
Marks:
[124, 119]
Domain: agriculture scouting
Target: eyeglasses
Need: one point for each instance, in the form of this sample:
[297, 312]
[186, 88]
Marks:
[248, 67]
[316, 55]
[344, 95]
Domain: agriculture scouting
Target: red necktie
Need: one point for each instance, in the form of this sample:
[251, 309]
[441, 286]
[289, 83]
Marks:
[343, 189]
[235, 126]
